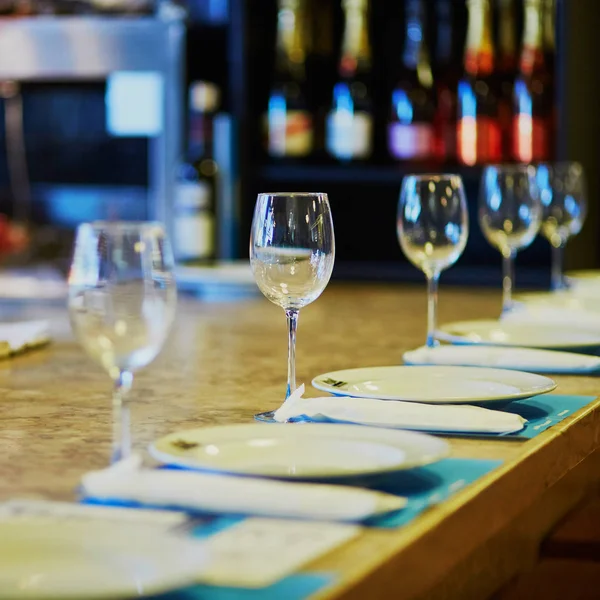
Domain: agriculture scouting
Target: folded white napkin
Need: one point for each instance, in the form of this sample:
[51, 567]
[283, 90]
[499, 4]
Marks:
[204, 492]
[397, 414]
[19, 336]
[521, 359]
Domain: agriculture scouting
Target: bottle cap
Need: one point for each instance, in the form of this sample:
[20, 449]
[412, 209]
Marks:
[204, 96]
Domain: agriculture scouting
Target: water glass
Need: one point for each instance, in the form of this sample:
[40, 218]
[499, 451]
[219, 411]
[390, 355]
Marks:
[510, 215]
[292, 251]
[433, 227]
[563, 195]
[122, 298]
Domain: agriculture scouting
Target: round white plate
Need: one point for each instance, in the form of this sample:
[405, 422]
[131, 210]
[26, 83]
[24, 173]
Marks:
[496, 357]
[60, 560]
[529, 335]
[302, 451]
[435, 385]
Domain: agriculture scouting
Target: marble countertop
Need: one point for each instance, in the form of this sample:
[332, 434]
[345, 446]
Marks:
[225, 362]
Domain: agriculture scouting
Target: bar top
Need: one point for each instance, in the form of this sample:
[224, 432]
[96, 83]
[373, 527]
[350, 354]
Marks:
[225, 362]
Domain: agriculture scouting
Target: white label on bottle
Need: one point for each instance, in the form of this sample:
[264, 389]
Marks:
[349, 135]
[290, 133]
[194, 223]
[410, 141]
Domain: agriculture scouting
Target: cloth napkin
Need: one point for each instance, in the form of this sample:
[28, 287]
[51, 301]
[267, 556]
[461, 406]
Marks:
[521, 359]
[20, 336]
[195, 491]
[397, 414]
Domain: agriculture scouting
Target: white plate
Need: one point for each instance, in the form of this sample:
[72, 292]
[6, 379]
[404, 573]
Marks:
[520, 359]
[303, 451]
[435, 385]
[60, 560]
[527, 335]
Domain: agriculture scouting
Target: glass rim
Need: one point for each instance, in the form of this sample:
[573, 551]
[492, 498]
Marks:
[432, 176]
[521, 167]
[292, 194]
[122, 224]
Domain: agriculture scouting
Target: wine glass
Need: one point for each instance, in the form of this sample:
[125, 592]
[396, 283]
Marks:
[292, 250]
[563, 196]
[122, 299]
[510, 215]
[433, 227]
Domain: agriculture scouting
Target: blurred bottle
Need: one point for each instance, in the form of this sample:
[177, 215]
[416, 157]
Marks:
[194, 220]
[479, 137]
[507, 70]
[411, 134]
[447, 70]
[533, 97]
[349, 132]
[550, 60]
[289, 121]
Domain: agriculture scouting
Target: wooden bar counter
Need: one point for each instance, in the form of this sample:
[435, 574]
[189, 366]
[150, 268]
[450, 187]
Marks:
[224, 362]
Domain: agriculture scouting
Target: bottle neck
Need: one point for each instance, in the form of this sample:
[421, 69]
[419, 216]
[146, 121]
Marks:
[532, 55]
[549, 27]
[356, 48]
[416, 55]
[507, 36]
[479, 51]
[445, 33]
[200, 140]
[290, 49]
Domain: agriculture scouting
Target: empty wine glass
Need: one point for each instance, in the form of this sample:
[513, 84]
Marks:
[292, 250]
[433, 226]
[510, 215]
[563, 196]
[122, 298]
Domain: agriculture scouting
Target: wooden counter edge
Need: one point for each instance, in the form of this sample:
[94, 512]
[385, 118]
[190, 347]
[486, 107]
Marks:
[371, 563]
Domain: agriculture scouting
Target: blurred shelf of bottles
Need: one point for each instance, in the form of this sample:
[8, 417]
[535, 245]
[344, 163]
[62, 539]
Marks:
[208, 12]
[471, 82]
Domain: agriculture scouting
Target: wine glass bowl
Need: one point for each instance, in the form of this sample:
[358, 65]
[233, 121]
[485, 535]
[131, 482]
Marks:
[432, 227]
[563, 196]
[510, 214]
[122, 298]
[292, 251]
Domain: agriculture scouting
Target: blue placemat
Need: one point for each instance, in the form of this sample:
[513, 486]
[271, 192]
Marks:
[295, 587]
[542, 412]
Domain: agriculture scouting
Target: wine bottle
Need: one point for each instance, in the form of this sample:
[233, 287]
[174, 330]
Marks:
[478, 133]
[533, 98]
[507, 70]
[411, 134]
[550, 60]
[446, 76]
[194, 220]
[349, 132]
[289, 121]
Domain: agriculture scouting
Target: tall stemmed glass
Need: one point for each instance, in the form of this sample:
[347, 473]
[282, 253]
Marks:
[292, 250]
[510, 215]
[563, 195]
[433, 226]
[122, 298]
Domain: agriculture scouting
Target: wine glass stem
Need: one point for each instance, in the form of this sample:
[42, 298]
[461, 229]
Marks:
[432, 296]
[121, 442]
[508, 278]
[292, 321]
[557, 267]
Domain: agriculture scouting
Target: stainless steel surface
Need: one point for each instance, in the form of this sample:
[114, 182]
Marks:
[80, 48]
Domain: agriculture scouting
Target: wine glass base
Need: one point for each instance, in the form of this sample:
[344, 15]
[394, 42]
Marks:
[266, 417]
